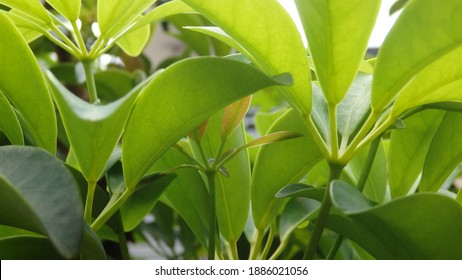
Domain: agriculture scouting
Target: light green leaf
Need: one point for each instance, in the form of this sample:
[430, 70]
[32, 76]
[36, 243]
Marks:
[233, 115]
[141, 202]
[376, 183]
[408, 150]
[116, 15]
[26, 197]
[187, 194]
[337, 32]
[179, 100]
[279, 165]
[22, 83]
[9, 123]
[31, 8]
[134, 42]
[264, 120]
[421, 226]
[266, 31]
[93, 130]
[424, 32]
[355, 106]
[233, 191]
[438, 82]
[444, 154]
[165, 10]
[70, 9]
[28, 29]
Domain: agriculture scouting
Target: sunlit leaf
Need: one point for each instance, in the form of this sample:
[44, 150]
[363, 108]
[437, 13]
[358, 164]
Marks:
[68, 8]
[233, 115]
[9, 123]
[135, 41]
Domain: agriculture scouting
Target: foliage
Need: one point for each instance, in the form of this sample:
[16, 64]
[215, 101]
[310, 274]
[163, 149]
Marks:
[349, 158]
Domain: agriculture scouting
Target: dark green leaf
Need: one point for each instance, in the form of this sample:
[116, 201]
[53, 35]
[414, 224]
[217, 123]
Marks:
[27, 248]
[301, 190]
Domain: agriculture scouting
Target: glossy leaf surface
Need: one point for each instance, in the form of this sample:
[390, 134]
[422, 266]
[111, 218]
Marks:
[266, 31]
[279, 165]
[395, 230]
[408, 150]
[444, 153]
[424, 32]
[26, 197]
[179, 100]
[337, 32]
[23, 84]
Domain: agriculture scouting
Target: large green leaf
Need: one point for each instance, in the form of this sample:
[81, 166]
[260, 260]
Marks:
[179, 100]
[444, 154]
[408, 150]
[438, 82]
[32, 8]
[27, 248]
[421, 226]
[135, 41]
[424, 32]
[116, 15]
[233, 191]
[9, 123]
[355, 106]
[278, 165]
[70, 9]
[337, 32]
[28, 29]
[39, 194]
[187, 194]
[295, 212]
[266, 31]
[93, 130]
[22, 83]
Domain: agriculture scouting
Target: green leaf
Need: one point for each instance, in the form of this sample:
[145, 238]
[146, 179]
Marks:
[232, 191]
[337, 32]
[70, 9]
[111, 84]
[187, 194]
[165, 10]
[422, 34]
[116, 15]
[438, 82]
[444, 154]
[301, 190]
[320, 115]
[355, 106]
[24, 86]
[142, 201]
[177, 101]
[376, 184]
[92, 248]
[28, 29]
[398, 5]
[9, 122]
[233, 115]
[199, 43]
[408, 150]
[264, 120]
[421, 226]
[93, 130]
[133, 43]
[27, 248]
[279, 165]
[26, 197]
[295, 212]
[31, 8]
[266, 31]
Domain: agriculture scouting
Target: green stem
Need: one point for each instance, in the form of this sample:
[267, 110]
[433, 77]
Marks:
[459, 195]
[361, 184]
[66, 40]
[269, 241]
[110, 209]
[79, 38]
[91, 85]
[255, 248]
[123, 242]
[213, 215]
[333, 131]
[326, 204]
[282, 246]
[316, 136]
[89, 201]
[234, 252]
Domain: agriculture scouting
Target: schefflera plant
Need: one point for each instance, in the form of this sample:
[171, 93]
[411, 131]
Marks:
[153, 116]
[388, 134]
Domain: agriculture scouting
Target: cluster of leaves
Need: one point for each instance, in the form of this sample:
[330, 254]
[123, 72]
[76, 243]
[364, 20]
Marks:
[358, 143]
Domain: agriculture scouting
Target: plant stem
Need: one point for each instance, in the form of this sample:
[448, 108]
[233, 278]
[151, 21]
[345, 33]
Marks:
[333, 251]
[255, 249]
[333, 131]
[89, 201]
[269, 241]
[213, 215]
[123, 243]
[234, 253]
[110, 210]
[280, 249]
[79, 38]
[316, 136]
[335, 171]
[459, 195]
[91, 86]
